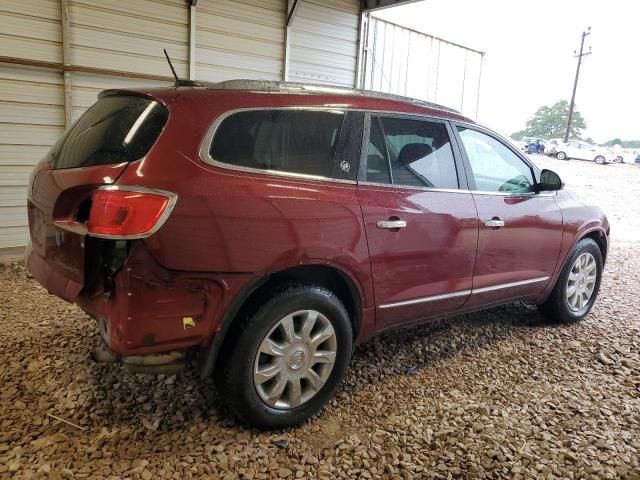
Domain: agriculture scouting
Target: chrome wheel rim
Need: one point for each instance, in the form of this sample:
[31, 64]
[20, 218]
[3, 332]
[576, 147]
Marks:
[581, 282]
[295, 359]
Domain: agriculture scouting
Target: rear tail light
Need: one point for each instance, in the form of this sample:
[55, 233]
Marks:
[128, 212]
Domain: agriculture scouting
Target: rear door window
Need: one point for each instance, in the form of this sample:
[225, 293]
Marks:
[410, 152]
[293, 141]
[115, 129]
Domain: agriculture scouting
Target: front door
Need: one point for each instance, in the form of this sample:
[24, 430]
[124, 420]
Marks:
[421, 228]
[520, 231]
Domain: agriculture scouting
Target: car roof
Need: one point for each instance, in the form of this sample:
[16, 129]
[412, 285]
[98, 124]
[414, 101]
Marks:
[406, 104]
[301, 87]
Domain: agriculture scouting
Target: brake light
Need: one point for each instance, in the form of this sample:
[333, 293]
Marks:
[128, 212]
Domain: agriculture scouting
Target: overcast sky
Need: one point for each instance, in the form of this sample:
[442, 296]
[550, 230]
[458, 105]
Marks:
[529, 57]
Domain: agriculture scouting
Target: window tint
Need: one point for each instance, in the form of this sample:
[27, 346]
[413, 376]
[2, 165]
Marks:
[495, 167]
[115, 129]
[377, 164]
[418, 151]
[295, 141]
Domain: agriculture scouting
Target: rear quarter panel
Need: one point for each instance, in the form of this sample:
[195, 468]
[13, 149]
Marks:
[238, 222]
[579, 219]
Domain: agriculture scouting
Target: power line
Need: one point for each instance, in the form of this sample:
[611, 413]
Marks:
[575, 82]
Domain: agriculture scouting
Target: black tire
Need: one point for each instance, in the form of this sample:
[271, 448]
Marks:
[600, 160]
[556, 307]
[234, 375]
[561, 156]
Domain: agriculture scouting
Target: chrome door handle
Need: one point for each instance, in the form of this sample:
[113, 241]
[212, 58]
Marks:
[494, 223]
[391, 224]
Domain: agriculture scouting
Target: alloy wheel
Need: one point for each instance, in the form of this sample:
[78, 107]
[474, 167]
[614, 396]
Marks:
[581, 282]
[295, 359]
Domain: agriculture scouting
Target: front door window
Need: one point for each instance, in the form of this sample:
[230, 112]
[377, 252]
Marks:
[494, 166]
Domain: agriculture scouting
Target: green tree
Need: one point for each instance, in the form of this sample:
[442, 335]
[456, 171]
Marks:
[551, 122]
[623, 143]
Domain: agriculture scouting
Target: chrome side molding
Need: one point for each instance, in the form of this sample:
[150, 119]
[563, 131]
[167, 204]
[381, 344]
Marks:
[462, 293]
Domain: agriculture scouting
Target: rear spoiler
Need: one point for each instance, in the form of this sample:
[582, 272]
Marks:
[112, 92]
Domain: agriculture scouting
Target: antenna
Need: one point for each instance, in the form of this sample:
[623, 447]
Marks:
[179, 81]
[173, 70]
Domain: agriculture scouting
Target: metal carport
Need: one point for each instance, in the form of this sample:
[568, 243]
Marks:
[56, 55]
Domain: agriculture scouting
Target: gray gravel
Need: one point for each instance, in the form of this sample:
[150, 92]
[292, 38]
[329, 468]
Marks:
[499, 394]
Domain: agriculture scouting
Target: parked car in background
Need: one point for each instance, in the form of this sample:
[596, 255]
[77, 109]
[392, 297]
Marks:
[637, 161]
[528, 141]
[580, 150]
[536, 146]
[264, 228]
[551, 145]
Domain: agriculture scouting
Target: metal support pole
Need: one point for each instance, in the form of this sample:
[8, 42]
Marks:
[66, 62]
[292, 7]
[479, 81]
[192, 41]
[362, 49]
[464, 80]
[575, 83]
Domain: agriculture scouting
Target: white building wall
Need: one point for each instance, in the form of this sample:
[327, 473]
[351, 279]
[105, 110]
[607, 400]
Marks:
[324, 42]
[239, 39]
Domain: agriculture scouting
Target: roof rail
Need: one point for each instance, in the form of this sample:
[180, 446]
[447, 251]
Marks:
[300, 87]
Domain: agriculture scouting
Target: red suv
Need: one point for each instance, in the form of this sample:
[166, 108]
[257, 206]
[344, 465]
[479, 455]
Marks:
[267, 227]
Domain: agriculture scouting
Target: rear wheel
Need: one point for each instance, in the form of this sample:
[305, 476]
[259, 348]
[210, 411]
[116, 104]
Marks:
[288, 359]
[561, 156]
[600, 160]
[577, 286]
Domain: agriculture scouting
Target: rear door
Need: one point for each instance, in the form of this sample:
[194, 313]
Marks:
[520, 231]
[575, 150]
[95, 151]
[421, 225]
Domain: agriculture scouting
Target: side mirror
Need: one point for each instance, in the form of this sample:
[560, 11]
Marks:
[549, 181]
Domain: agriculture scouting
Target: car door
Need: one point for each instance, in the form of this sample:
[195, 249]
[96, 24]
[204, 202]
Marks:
[572, 149]
[421, 227]
[520, 230]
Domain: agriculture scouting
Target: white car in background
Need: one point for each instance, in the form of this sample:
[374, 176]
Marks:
[551, 145]
[584, 151]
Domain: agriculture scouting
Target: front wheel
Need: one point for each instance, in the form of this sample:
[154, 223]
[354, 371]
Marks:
[600, 160]
[577, 286]
[288, 358]
[561, 156]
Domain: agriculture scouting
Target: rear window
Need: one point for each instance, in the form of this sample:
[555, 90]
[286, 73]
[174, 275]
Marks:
[114, 130]
[294, 141]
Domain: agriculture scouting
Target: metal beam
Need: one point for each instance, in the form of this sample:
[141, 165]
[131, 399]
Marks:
[192, 40]
[370, 5]
[66, 61]
[363, 35]
[292, 6]
[78, 68]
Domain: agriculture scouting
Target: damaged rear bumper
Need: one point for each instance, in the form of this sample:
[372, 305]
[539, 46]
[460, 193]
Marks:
[150, 317]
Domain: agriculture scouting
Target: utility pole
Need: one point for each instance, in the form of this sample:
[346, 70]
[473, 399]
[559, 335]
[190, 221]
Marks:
[575, 82]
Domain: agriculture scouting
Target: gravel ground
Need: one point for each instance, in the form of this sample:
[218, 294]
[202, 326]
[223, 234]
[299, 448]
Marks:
[498, 394]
